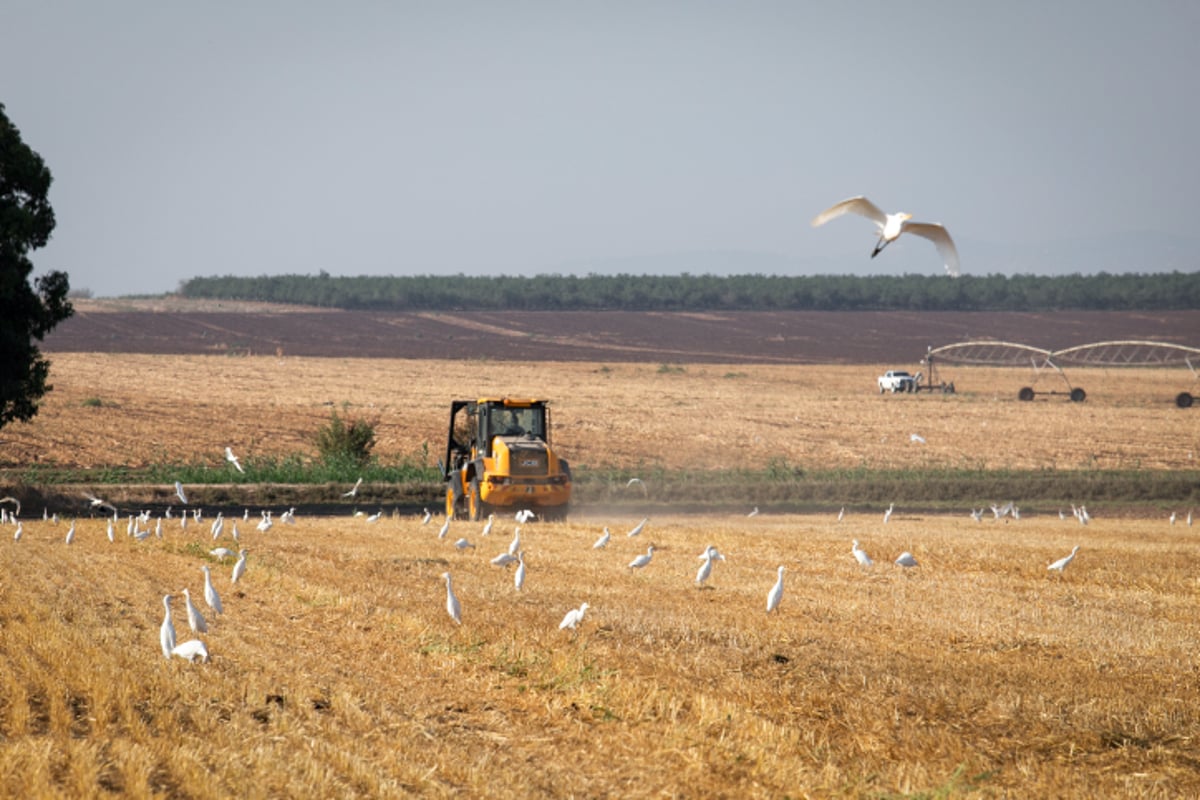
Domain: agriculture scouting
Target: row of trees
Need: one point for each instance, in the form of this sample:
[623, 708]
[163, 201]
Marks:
[1176, 290]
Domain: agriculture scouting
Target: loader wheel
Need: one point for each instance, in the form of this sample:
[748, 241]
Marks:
[1078, 395]
[1026, 393]
[449, 503]
[476, 508]
[1183, 400]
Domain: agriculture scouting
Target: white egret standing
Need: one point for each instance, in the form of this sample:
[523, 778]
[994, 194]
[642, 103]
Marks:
[637, 529]
[232, 459]
[487, 527]
[573, 617]
[453, 607]
[195, 618]
[210, 593]
[643, 559]
[191, 650]
[428, 516]
[515, 544]
[860, 555]
[602, 542]
[111, 533]
[166, 634]
[239, 569]
[445, 529]
[17, 534]
[705, 568]
[519, 578]
[841, 514]
[887, 515]
[776, 593]
[71, 532]
[890, 226]
[1061, 564]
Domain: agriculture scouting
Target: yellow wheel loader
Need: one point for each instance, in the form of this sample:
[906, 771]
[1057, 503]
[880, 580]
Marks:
[498, 457]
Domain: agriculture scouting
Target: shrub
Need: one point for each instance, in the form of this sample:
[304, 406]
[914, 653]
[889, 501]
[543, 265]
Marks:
[346, 441]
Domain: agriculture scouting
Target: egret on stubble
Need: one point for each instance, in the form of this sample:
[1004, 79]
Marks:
[890, 226]
[191, 650]
[637, 529]
[195, 618]
[1061, 564]
[776, 593]
[519, 578]
[602, 542]
[643, 559]
[210, 593]
[453, 607]
[166, 633]
[573, 617]
[906, 560]
[705, 568]
[860, 555]
[239, 569]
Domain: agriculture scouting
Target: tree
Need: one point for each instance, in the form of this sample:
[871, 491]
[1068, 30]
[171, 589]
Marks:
[26, 314]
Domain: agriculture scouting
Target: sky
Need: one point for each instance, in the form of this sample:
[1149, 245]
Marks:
[526, 138]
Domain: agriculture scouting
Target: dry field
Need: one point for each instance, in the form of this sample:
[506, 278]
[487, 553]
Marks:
[134, 410]
[336, 672]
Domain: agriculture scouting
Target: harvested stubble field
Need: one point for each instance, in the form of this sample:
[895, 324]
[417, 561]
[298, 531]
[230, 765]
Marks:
[135, 410]
[335, 670]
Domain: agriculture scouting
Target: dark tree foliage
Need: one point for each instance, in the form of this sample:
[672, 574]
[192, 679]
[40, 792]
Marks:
[26, 314]
[1101, 292]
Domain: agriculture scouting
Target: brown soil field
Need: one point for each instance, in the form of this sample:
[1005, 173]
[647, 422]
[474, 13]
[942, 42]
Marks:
[176, 327]
[122, 409]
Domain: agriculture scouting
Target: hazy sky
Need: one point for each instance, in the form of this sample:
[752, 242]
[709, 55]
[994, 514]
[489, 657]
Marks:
[256, 138]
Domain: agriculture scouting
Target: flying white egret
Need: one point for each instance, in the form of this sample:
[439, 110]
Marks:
[525, 515]
[239, 569]
[96, 502]
[643, 559]
[487, 527]
[776, 593]
[180, 493]
[860, 555]
[573, 617]
[166, 634]
[1061, 564]
[906, 559]
[977, 515]
[637, 529]
[195, 618]
[890, 226]
[453, 607]
[519, 577]
[191, 650]
[232, 459]
[602, 542]
[354, 489]
[711, 552]
[210, 593]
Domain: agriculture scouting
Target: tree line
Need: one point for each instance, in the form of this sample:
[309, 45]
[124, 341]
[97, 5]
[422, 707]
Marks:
[1099, 292]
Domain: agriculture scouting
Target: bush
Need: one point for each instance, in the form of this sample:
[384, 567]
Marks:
[346, 441]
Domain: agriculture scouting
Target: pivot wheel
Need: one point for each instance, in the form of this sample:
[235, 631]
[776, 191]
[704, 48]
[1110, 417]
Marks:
[1184, 400]
[1026, 393]
[1078, 395]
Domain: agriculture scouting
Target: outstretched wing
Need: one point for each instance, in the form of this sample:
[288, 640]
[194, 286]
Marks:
[855, 205]
[941, 238]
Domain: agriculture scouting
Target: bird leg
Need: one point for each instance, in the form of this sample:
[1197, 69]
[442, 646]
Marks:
[882, 243]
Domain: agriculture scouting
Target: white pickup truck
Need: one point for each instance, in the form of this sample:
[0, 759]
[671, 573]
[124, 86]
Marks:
[897, 380]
